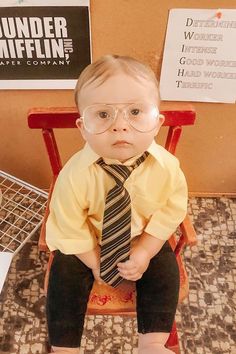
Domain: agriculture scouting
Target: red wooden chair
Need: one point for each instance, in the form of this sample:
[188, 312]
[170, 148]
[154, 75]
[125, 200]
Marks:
[103, 299]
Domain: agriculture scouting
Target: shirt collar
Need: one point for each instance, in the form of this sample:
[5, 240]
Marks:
[88, 156]
[157, 152]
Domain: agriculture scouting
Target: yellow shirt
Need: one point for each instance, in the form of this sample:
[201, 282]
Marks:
[157, 190]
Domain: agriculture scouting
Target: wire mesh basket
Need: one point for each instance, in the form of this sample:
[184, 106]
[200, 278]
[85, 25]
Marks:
[21, 212]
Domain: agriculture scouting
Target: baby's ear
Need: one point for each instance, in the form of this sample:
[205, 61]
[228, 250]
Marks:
[80, 125]
[79, 122]
[161, 119]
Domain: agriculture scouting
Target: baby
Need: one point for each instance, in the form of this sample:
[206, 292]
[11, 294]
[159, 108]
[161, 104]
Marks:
[114, 206]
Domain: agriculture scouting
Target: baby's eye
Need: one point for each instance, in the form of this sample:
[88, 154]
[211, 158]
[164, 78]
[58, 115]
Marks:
[103, 114]
[135, 111]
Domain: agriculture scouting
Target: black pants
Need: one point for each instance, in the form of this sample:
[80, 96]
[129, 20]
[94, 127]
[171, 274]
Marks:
[70, 283]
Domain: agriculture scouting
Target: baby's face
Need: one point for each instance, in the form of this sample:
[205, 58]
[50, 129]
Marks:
[121, 141]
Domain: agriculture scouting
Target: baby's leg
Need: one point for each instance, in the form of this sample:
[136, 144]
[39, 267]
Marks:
[70, 283]
[157, 298]
[153, 343]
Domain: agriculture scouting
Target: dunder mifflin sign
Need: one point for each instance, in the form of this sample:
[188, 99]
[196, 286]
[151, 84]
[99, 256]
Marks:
[43, 47]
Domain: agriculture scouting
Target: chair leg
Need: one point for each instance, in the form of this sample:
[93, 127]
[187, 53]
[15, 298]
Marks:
[173, 341]
[48, 348]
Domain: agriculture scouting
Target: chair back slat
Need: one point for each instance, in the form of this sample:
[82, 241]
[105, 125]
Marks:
[52, 150]
[48, 119]
[172, 139]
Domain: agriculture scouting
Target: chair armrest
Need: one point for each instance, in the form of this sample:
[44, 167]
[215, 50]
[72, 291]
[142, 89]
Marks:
[188, 231]
[188, 235]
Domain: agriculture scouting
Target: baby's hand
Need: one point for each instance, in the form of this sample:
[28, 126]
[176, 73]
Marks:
[129, 270]
[96, 274]
[137, 264]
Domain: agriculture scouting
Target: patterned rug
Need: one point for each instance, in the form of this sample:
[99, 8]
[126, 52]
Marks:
[206, 320]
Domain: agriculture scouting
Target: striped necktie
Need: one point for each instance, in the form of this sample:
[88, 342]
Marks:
[116, 231]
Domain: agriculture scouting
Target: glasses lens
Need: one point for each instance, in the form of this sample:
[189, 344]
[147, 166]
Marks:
[142, 116]
[98, 118]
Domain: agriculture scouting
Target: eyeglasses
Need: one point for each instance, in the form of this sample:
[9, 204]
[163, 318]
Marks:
[141, 116]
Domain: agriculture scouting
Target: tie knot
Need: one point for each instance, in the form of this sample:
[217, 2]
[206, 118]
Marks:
[120, 172]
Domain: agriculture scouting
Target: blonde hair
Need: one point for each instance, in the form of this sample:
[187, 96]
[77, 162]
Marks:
[109, 65]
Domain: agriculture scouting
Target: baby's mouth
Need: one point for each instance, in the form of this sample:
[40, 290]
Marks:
[121, 143]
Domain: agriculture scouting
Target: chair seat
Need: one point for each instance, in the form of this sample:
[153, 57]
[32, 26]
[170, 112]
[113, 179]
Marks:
[106, 300]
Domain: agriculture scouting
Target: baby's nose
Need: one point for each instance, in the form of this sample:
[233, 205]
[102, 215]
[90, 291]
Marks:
[120, 122]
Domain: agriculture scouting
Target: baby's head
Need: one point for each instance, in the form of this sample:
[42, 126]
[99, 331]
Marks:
[118, 100]
[110, 65]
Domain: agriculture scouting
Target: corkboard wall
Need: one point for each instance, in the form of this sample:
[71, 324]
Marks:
[136, 28]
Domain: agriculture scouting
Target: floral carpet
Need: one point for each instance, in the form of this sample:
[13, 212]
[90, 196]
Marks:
[206, 320]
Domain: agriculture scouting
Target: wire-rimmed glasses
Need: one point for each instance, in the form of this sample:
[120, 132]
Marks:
[142, 116]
